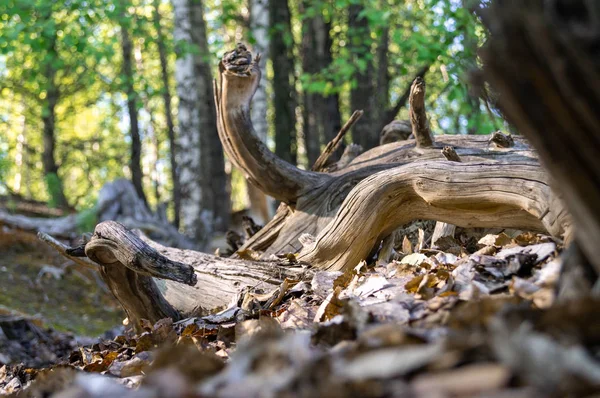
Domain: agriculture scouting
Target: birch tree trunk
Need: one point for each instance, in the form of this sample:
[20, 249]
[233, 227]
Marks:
[216, 206]
[190, 156]
[260, 204]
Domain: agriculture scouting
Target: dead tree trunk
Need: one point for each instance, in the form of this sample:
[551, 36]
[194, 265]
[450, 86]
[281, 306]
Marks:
[315, 198]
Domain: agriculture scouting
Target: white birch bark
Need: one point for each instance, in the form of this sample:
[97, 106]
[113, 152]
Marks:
[189, 153]
[260, 204]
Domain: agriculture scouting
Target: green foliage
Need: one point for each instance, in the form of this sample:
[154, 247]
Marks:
[79, 40]
[87, 219]
[54, 187]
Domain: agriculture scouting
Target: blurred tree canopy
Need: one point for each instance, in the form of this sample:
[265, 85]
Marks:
[64, 120]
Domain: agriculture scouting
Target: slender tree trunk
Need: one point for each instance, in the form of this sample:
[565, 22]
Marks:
[321, 117]
[215, 197]
[313, 42]
[189, 156]
[136, 143]
[332, 120]
[383, 76]
[166, 94]
[284, 92]
[362, 93]
[53, 181]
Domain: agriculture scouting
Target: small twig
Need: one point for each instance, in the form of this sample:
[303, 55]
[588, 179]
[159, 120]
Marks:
[418, 115]
[335, 142]
[62, 249]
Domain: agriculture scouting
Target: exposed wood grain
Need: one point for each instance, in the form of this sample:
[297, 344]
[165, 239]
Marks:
[515, 195]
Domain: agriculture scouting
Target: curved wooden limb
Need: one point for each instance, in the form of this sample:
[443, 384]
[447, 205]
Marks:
[513, 195]
[240, 76]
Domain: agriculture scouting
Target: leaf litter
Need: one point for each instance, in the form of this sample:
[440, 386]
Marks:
[474, 316]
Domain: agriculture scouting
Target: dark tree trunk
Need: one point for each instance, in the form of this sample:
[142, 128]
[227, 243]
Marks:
[542, 59]
[215, 197]
[162, 54]
[321, 117]
[136, 143]
[53, 181]
[361, 95]
[284, 92]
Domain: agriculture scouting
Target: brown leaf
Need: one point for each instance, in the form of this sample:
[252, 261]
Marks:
[248, 254]
[406, 246]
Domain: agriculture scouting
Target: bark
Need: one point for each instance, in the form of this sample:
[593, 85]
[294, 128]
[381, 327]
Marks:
[284, 91]
[362, 93]
[166, 94]
[53, 180]
[313, 48]
[542, 59]
[215, 199]
[189, 161]
[134, 129]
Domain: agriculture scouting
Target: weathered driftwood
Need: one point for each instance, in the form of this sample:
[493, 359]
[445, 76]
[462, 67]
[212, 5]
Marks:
[542, 58]
[514, 195]
[314, 199]
[152, 281]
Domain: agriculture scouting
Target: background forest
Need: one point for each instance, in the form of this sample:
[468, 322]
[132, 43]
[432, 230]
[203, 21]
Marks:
[91, 91]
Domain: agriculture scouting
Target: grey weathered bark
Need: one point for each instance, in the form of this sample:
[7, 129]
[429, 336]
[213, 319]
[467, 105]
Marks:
[215, 198]
[166, 94]
[135, 159]
[543, 61]
[259, 29]
[362, 93]
[284, 91]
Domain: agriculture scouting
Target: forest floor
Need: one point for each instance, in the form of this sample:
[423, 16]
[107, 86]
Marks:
[39, 285]
[469, 318]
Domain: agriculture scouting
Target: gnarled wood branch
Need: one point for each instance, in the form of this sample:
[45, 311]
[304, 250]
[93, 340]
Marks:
[514, 195]
[239, 77]
[146, 277]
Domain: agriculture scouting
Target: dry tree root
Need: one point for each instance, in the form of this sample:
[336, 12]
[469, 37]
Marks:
[313, 199]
